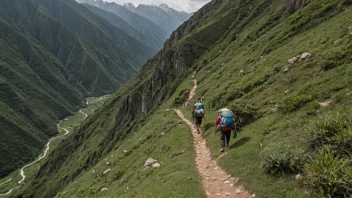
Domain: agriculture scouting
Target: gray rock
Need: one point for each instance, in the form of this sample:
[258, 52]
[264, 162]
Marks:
[156, 165]
[107, 171]
[162, 134]
[103, 189]
[253, 195]
[150, 162]
[241, 72]
[293, 60]
[285, 69]
[299, 177]
[306, 55]
[287, 91]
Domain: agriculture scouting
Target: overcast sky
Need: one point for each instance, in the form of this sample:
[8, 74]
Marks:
[184, 5]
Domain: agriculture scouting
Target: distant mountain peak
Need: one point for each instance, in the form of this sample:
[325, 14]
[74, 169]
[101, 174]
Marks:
[165, 7]
[129, 6]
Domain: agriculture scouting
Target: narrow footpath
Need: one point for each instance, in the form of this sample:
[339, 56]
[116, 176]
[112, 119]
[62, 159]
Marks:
[216, 182]
[22, 173]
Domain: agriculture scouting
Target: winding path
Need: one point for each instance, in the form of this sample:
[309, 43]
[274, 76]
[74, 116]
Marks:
[22, 173]
[47, 148]
[85, 115]
[216, 182]
[6, 182]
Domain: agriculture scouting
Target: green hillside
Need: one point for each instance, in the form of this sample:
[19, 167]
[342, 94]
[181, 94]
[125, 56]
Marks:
[124, 26]
[53, 54]
[151, 31]
[294, 118]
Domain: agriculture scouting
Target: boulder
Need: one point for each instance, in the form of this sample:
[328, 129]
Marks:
[103, 189]
[306, 55]
[150, 162]
[107, 171]
[299, 177]
[241, 72]
[293, 60]
[156, 165]
[285, 69]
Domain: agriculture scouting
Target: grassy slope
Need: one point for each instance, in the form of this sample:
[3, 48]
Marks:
[30, 76]
[261, 88]
[69, 123]
[260, 41]
[47, 59]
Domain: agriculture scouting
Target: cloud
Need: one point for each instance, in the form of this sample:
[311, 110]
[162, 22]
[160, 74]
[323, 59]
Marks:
[182, 5]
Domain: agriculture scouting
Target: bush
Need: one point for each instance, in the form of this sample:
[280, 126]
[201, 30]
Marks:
[282, 158]
[182, 97]
[333, 131]
[330, 176]
[293, 103]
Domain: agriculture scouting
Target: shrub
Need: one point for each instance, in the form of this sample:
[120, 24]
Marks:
[330, 176]
[293, 103]
[332, 131]
[281, 158]
[182, 97]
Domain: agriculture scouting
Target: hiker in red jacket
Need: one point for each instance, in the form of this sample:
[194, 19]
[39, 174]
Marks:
[225, 123]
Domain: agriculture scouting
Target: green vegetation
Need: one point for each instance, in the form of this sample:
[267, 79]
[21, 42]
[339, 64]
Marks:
[280, 158]
[182, 98]
[239, 49]
[124, 26]
[69, 123]
[53, 54]
[330, 176]
[330, 172]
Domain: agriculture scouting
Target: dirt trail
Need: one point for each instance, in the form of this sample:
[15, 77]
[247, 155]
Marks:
[6, 182]
[216, 182]
[22, 173]
[85, 115]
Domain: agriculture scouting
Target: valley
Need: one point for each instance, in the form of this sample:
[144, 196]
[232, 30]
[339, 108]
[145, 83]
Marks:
[283, 67]
[19, 178]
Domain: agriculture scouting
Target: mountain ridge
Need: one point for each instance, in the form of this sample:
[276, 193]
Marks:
[146, 27]
[48, 62]
[240, 51]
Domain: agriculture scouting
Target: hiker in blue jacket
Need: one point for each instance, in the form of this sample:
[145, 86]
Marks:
[198, 114]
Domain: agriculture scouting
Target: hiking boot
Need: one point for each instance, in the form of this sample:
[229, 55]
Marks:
[222, 150]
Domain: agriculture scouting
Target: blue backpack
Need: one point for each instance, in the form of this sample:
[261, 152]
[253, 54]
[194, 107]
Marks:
[199, 110]
[227, 120]
[199, 106]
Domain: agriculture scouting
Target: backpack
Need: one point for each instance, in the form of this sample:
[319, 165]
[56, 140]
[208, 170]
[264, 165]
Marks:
[227, 120]
[199, 110]
[199, 106]
[199, 113]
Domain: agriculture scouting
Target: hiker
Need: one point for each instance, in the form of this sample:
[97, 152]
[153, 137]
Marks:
[198, 114]
[225, 123]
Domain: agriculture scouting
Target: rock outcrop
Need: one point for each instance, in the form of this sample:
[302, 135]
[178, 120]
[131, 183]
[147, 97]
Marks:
[292, 5]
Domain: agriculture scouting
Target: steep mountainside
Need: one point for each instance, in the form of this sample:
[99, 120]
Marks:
[245, 53]
[122, 25]
[163, 16]
[152, 32]
[52, 61]
[30, 76]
